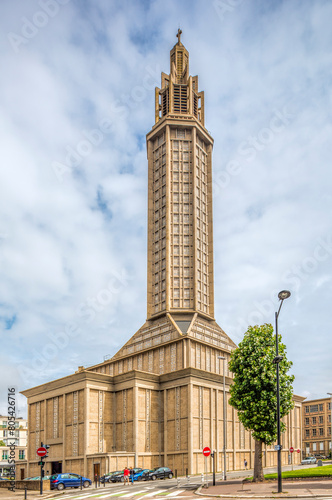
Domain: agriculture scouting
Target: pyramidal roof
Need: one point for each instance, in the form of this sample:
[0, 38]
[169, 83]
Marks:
[169, 328]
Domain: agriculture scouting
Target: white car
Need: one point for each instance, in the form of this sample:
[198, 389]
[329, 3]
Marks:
[309, 460]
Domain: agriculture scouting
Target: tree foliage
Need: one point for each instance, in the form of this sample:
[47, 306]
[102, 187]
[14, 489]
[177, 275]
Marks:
[254, 388]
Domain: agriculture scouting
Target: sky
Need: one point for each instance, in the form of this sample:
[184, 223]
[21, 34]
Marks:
[77, 100]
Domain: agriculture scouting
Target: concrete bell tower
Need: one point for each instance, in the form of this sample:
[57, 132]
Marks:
[180, 238]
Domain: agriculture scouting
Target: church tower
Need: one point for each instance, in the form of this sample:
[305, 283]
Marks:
[180, 240]
[160, 399]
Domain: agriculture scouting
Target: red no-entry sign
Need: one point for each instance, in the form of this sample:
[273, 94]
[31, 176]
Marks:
[41, 452]
[206, 451]
[299, 451]
[291, 449]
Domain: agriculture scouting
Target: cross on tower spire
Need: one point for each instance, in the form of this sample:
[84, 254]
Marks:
[179, 33]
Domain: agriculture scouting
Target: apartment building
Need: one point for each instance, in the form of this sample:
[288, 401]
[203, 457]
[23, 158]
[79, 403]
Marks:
[16, 438]
[317, 427]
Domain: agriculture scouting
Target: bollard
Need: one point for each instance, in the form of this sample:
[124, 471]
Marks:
[25, 493]
[176, 473]
[178, 482]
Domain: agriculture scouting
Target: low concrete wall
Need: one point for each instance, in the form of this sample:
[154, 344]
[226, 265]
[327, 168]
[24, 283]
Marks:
[29, 485]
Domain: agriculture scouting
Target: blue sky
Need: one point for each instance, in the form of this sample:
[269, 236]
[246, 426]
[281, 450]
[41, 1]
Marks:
[77, 99]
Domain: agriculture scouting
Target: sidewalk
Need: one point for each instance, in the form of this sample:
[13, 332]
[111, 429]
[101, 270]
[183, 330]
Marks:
[268, 489]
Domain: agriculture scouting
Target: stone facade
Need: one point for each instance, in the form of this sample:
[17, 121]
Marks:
[317, 427]
[159, 399]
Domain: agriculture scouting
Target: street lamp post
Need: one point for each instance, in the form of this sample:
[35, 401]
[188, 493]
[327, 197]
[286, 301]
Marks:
[284, 294]
[330, 394]
[224, 411]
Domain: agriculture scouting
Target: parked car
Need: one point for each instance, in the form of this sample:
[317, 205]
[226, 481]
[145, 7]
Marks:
[142, 474]
[309, 460]
[106, 478]
[120, 477]
[160, 473]
[62, 481]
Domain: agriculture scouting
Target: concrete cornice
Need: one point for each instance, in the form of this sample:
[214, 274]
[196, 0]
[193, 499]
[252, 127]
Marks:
[68, 381]
[181, 121]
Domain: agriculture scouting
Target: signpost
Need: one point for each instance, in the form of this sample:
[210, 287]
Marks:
[291, 449]
[206, 453]
[42, 453]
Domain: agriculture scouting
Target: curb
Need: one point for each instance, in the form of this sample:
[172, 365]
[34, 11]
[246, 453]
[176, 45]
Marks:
[267, 495]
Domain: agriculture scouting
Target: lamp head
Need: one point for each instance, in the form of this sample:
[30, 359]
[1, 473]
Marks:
[284, 294]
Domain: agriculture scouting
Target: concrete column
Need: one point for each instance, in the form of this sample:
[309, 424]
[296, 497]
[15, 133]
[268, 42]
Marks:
[165, 428]
[64, 433]
[135, 423]
[86, 429]
[190, 429]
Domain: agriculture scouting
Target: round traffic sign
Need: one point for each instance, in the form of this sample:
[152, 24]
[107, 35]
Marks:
[291, 449]
[41, 452]
[206, 451]
[299, 451]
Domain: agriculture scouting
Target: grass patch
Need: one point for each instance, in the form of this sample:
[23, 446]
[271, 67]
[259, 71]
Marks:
[324, 471]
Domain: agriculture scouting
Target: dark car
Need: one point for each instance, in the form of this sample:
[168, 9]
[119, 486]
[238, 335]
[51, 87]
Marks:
[160, 473]
[120, 476]
[108, 477]
[69, 480]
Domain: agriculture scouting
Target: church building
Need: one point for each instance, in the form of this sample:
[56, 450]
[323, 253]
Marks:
[159, 400]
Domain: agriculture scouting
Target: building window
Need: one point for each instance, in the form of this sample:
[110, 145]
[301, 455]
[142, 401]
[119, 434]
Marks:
[321, 420]
[306, 409]
[307, 421]
[313, 408]
[313, 420]
[329, 419]
[307, 433]
[321, 445]
[314, 432]
[320, 407]
[314, 446]
[21, 454]
[321, 431]
[5, 455]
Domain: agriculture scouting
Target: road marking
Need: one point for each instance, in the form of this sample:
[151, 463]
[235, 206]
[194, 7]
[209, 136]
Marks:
[174, 494]
[151, 494]
[113, 494]
[87, 495]
[133, 493]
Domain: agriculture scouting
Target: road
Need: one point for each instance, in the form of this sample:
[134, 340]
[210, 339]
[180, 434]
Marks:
[172, 489]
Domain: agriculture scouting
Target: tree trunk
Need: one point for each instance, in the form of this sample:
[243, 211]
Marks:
[258, 465]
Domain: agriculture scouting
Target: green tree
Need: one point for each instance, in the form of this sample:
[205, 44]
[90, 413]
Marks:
[2, 443]
[254, 388]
